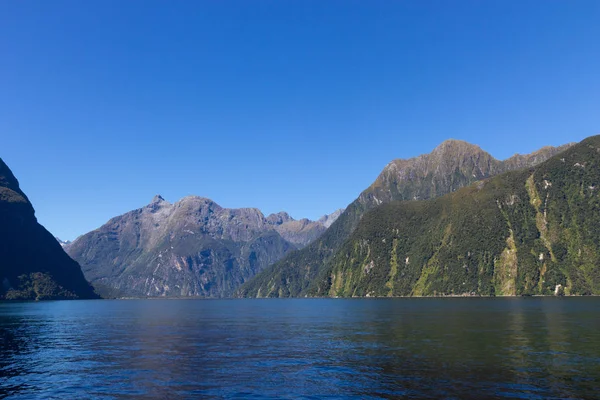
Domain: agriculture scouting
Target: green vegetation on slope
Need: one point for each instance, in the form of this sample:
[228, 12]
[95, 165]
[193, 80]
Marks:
[38, 286]
[452, 165]
[520, 233]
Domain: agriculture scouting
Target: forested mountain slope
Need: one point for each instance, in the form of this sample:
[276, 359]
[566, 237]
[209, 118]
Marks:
[452, 165]
[528, 232]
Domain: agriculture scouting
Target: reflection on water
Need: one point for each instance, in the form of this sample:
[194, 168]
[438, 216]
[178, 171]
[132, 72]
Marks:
[311, 348]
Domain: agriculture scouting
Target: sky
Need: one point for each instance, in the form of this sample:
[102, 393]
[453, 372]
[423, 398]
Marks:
[292, 105]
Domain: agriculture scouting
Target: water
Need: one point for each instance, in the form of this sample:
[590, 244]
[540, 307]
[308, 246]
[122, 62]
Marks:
[529, 348]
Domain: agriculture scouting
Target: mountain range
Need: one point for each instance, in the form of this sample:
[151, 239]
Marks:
[534, 231]
[452, 165]
[193, 247]
[453, 222]
[33, 265]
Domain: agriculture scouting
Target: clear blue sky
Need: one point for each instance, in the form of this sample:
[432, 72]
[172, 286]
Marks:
[290, 105]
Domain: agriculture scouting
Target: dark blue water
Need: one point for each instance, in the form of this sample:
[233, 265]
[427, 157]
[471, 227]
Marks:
[532, 348]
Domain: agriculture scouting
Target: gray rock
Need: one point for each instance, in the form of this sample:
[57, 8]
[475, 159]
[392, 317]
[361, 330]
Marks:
[327, 220]
[193, 247]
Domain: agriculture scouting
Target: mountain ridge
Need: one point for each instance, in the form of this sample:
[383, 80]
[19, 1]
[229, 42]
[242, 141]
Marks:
[532, 231]
[451, 165]
[193, 247]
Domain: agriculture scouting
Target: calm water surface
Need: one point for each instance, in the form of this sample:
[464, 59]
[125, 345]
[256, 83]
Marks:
[531, 348]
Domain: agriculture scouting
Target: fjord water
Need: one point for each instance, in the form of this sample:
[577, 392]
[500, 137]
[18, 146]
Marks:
[302, 348]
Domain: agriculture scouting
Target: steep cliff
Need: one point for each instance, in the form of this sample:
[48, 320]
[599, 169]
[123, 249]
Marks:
[33, 265]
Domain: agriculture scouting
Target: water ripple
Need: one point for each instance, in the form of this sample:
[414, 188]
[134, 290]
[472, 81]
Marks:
[301, 349]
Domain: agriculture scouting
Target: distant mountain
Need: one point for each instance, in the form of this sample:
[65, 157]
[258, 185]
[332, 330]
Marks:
[33, 266]
[452, 165]
[63, 243]
[327, 220]
[529, 232]
[193, 247]
[298, 232]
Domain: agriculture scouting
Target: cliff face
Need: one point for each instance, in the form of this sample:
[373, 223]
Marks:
[33, 265]
[193, 247]
[533, 231]
[452, 165]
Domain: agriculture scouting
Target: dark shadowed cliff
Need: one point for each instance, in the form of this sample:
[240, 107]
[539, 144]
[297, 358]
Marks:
[33, 265]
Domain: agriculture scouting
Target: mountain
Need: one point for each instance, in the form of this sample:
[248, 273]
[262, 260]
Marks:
[63, 243]
[193, 247]
[33, 265]
[298, 232]
[328, 220]
[452, 165]
[535, 231]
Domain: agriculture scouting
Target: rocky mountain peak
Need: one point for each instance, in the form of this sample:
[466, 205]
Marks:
[455, 146]
[327, 220]
[194, 198]
[158, 203]
[279, 218]
[198, 203]
[452, 164]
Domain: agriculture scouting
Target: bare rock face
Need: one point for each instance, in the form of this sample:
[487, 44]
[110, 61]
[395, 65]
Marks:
[301, 232]
[279, 218]
[33, 266]
[193, 247]
[450, 166]
[327, 220]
